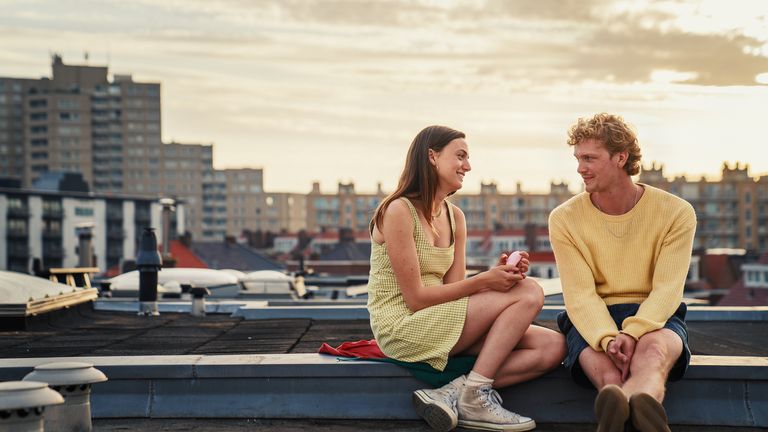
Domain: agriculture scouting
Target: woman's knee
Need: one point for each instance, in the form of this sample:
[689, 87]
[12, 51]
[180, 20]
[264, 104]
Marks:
[531, 293]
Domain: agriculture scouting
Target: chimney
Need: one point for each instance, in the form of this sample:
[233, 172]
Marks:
[168, 208]
[84, 233]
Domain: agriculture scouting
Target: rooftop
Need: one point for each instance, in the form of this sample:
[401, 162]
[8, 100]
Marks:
[258, 371]
[87, 332]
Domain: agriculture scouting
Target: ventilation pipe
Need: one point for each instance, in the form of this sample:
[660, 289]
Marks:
[73, 381]
[148, 262]
[22, 405]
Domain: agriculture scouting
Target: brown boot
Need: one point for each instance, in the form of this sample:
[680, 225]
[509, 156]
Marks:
[611, 409]
[648, 414]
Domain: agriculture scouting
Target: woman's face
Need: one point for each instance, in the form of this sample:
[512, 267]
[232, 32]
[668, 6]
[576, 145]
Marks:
[451, 164]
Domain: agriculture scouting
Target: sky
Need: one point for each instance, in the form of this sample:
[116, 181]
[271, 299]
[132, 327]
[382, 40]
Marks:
[334, 91]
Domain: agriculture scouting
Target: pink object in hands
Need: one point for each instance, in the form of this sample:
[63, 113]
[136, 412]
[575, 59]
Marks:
[514, 258]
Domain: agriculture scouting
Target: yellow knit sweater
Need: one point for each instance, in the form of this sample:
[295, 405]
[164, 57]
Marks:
[641, 257]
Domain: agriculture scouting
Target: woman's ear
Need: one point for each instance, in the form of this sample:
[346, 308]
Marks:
[433, 157]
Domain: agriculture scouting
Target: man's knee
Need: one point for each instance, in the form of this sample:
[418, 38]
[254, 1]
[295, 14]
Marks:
[656, 351]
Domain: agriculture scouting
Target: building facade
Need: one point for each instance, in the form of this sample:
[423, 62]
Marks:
[343, 209]
[731, 212]
[42, 224]
[493, 210]
[78, 121]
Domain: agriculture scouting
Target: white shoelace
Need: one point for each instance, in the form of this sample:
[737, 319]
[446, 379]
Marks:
[450, 395]
[492, 401]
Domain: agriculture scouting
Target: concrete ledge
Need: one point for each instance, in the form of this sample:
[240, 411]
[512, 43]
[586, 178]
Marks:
[212, 306]
[345, 312]
[548, 313]
[727, 391]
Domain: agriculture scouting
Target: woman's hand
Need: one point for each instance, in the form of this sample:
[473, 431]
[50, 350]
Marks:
[524, 263]
[522, 266]
[501, 278]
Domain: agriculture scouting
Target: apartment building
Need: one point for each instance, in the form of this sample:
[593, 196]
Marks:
[77, 121]
[493, 210]
[178, 173]
[732, 212]
[234, 201]
[42, 224]
[343, 209]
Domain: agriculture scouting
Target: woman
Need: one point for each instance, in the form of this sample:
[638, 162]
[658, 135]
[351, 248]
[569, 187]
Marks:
[424, 310]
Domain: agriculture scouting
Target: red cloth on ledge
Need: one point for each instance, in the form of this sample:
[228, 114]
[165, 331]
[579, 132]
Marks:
[363, 349]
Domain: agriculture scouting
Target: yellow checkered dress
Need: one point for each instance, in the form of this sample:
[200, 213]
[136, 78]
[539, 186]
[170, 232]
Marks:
[429, 334]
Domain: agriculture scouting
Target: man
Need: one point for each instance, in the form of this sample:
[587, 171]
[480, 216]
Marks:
[622, 250]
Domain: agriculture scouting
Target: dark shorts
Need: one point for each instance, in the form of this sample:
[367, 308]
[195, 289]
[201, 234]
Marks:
[619, 312]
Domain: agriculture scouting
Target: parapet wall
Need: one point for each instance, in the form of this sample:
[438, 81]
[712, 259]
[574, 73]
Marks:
[727, 391]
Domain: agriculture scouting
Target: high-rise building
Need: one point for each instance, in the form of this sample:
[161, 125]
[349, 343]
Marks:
[179, 173]
[78, 121]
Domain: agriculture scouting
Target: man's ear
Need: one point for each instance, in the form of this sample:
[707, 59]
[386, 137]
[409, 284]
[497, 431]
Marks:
[623, 156]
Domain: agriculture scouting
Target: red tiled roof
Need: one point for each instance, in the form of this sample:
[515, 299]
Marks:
[740, 295]
[184, 256]
[541, 257]
[717, 270]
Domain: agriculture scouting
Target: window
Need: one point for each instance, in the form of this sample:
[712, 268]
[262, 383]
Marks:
[68, 103]
[69, 116]
[38, 103]
[83, 211]
[38, 116]
[69, 130]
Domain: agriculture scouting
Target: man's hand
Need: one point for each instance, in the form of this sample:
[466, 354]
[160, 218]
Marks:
[620, 351]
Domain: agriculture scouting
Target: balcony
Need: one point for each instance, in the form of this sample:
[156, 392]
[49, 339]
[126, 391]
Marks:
[115, 233]
[53, 213]
[52, 252]
[17, 233]
[18, 212]
[18, 250]
[51, 234]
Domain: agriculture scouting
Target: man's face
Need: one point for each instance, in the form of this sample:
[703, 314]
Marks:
[597, 167]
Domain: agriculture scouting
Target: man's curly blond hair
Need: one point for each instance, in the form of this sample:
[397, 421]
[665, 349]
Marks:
[615, 134]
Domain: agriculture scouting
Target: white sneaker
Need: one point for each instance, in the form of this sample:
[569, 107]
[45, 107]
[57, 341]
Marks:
[438, 406]
[480, 408]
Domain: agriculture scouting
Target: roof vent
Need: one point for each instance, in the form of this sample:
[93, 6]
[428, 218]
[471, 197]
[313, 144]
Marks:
[73, 381]
[22, 404]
